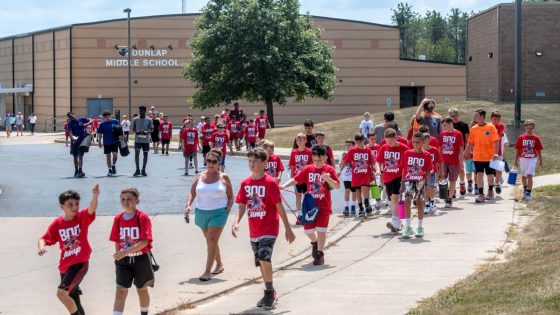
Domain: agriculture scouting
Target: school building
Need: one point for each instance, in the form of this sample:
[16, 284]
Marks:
[83, 68]
[491, 48]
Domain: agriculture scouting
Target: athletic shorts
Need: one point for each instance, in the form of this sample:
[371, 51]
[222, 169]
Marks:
[348, 185]
[126, 133]
[451, 171]
[484, 167]
[137, 269]
[412, 191]
[252, 145]
[71, 279]
[205, 149]
[155, 137]
[262, 250]
[188, 155]
[145, 147]
[110, 148]
[262, 132]
[207, 218]
[527, 166]
[76, 149]
[393, 187]
[469, 166]
[301, 188]
[165, 141]
[321, 224]
[233, 136]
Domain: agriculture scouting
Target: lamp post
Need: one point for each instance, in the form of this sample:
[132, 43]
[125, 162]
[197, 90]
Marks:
[127, 11]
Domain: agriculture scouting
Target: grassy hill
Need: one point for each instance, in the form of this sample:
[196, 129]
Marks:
[545, 115]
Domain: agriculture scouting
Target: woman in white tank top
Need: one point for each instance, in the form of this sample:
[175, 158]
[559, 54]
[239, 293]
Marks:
[214, 199]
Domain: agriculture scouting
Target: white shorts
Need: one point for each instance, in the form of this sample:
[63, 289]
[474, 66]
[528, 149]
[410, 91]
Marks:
[527, 166]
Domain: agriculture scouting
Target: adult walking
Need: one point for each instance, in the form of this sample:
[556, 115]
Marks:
[108, 141]
[389, 122]
[214, 198]
[19, 124]
[78, 147]
[155, 132]
[32, 120]
[425, 115]
[142, 127]
[7, 125]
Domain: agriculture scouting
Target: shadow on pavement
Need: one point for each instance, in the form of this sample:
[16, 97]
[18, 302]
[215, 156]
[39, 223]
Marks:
[198, 282]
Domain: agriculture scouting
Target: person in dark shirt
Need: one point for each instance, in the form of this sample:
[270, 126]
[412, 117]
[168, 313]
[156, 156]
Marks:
[77, 132]
[308, 126]
[465, 130]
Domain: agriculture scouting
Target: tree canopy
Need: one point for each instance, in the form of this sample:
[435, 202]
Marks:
[258, 51]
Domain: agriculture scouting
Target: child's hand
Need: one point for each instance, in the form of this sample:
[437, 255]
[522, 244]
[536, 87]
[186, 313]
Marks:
[42, 250]
[290, 236]
[420, 184]
[119, 255]
[234, 230]
[96, 191]
[326, 175]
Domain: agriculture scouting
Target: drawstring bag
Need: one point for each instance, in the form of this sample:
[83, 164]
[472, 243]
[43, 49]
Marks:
[309, 210]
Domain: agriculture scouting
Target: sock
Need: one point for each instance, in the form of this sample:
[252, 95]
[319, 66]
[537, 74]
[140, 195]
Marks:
[481, 191]
[117, 313]
[490, 188]
[353, 203]
[420, 223]
[361, 206]
[470, 181]
[529, 191]
[144, 310]
[346, 203]
[525, 188]
[408, 221]
[79, 169]
[268, 286]
[461, 182]
[366, 201]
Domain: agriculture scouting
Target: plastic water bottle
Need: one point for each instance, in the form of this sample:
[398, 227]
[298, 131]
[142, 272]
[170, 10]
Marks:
[378, 180]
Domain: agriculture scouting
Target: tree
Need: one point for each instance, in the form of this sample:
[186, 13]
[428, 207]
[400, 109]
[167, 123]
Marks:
[259, 51]
[408, 23]
[457, 33]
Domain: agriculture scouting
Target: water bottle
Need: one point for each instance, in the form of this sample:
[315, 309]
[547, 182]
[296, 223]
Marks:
[378, 180]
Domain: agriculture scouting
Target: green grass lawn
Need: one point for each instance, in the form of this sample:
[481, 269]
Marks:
[545, 115]
[527, 283]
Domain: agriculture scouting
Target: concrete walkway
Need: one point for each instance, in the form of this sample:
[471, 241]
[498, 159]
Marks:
[372, 271]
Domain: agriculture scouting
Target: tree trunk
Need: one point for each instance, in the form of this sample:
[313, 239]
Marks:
[270, 113]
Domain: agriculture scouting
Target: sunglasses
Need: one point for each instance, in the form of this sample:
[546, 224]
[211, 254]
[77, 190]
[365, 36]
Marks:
[211, 161]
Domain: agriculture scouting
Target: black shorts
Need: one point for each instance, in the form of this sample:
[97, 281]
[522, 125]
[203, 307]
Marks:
[205, 149]
[165, 141]
[137, 269]
[393, 187]
[126, 133]
[252, 145]
[71, 279]
[301, 188]
[155, 136]
[263, 250]
[348, 185]
[109, 148]
[484, 167]
[142, 147]
[189, 155]
[76, 149]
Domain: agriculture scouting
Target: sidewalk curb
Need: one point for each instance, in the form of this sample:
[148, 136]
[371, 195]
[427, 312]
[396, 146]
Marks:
[332, 240]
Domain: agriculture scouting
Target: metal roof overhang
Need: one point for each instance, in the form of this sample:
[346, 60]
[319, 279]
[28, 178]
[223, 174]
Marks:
[26, 89]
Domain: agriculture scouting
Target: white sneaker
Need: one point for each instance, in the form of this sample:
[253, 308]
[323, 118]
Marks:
[427, 208]
[433, 209]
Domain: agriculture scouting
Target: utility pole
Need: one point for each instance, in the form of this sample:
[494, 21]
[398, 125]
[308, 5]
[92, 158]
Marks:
[127, 11]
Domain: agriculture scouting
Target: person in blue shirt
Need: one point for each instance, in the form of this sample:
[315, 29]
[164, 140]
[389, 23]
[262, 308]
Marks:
[108, 140]
[77, 129]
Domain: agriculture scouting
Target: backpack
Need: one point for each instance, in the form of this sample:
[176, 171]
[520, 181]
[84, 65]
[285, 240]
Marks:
[309, 210]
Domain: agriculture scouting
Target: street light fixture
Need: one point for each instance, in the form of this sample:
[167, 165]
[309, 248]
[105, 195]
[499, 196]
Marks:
[127, 11]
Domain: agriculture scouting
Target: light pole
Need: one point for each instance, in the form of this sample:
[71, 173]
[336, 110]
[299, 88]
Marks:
[127, 11]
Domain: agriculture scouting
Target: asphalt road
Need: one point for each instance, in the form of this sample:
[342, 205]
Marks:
[33, 175]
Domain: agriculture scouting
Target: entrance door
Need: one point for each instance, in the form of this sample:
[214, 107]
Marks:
[411, 95]
[96, 106]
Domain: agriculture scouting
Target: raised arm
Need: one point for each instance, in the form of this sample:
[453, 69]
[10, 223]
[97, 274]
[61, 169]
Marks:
[95, 196]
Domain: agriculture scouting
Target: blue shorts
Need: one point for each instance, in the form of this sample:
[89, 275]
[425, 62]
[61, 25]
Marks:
[433, 181]
[469, 166]
[207, 218]
[223, 161]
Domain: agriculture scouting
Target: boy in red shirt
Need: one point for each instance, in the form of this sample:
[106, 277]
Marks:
[259, 194]
[274, 166]
[251, 134]
[71, 232]
[416, 167]
[389, 161]
[132, 234]
[318, 177]
[528, 155]
[495, 118]
[363, 166]
[451, 149]
[207, 131]
[262, 124]
[434, 142]
[374, 147]
[436, 174]
[320, 138]
[220, 141]
[189, 139]
[166, 130]
[234, 132]
[299, 158]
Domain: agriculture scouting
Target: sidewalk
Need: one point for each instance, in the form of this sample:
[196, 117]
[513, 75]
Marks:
[372, 271]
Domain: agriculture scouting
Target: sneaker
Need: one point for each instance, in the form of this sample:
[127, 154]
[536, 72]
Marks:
[191, 165]
[137, 173]
[528, 197]
[196, 171]
[498, 189]
[448, 203]
[427, 208]
[353, 209]
[144, 173]
[420, 231]
[408, 231]
[76, 176]
[186, 172]
[480, 199]
[166, 153]
[386, 203]
[462, 189]
[114, 169]
[361, 213]
[368, 209]
[81, 174]
[378, 206]
[269, 300]
[433, 208]
[469, 188]
[490, 195]
[320, 260]
[394, 228]
[346, 211]
[110, 173]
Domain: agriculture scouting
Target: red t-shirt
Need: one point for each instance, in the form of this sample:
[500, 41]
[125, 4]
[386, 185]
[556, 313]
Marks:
[233, 128]
[362, 164]
[251, 133]
[501, 131]
[220, 141]
[299, 159]
[261, 197]
[190, 140]
[374, 150]
[166, 129]
[416, 166]
[274, 166]
[389, 159]
[451, 144]
[528, 146]
[435, 157]
[72, 237]
[207, 132]
[261, 122]
[126, 233]
[316, 185]
[242, 126]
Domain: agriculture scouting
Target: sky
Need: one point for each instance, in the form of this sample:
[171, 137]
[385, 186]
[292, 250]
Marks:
[25, 16]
